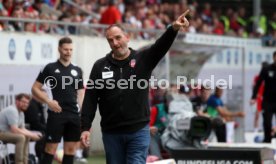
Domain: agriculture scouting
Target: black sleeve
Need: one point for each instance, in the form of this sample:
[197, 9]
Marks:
[259, 82]
[43, 74]
[89, 106]
[159, 49]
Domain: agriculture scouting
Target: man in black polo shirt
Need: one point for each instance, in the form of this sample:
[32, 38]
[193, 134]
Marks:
[66, 84]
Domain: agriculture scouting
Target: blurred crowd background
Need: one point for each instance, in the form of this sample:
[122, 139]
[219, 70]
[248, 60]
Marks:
[224, 17]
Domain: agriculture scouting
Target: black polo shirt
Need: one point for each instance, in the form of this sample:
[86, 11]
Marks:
[63, 82]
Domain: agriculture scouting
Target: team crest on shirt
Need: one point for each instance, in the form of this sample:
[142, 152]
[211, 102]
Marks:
[132, 63]
[74, 72]
[270, 73]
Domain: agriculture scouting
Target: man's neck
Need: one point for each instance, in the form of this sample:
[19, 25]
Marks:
[117, 57]
[64, 63]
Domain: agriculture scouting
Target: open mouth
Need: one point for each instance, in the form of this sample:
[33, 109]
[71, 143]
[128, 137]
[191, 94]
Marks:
[117, 48]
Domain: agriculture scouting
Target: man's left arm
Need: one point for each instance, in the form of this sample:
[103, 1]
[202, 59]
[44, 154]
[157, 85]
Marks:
[35, 135]
[80, 97]
[163, 44]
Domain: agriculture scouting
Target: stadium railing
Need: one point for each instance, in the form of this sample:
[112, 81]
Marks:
[80, 28]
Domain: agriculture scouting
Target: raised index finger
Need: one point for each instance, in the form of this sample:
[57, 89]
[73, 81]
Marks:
[185, 13]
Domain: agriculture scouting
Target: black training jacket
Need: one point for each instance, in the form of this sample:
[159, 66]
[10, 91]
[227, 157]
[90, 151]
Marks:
[268, 75]
[124, 109]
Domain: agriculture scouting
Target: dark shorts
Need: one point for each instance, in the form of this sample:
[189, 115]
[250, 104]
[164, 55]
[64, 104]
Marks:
[65, 124]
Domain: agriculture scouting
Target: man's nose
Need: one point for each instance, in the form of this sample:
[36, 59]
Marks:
[115, 43]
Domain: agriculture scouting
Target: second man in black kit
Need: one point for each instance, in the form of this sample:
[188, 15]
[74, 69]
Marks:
[66, 84]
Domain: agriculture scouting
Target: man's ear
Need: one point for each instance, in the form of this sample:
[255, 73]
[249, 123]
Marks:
[128, 37]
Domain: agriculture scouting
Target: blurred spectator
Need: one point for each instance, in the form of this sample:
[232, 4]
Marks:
[262, 24]
[242, 19]
[37, 5]
[34, 117]
[29, 11]
[63, 8]
[218, 27]
[17, 12]
[220, 114]
[234, 24]
[73, 29]
[207, 13]
[272, 22]
[200, 102]
[53, 3]
[147, 24]
[12, 128]
[158, 122]
[111, 15]
[29, 27]
[44, 27]
[205, 29]
[9, 4]
[63, 29]
[226, 19]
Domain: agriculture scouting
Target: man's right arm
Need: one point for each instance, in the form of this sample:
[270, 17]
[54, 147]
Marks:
[89, 107]
[223, 111]
[40, 95]
[25, 132]
[43, 98]
[90, 101]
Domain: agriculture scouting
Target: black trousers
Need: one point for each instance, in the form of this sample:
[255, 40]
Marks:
[269, 109]
[39, 148]
[220, 129]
